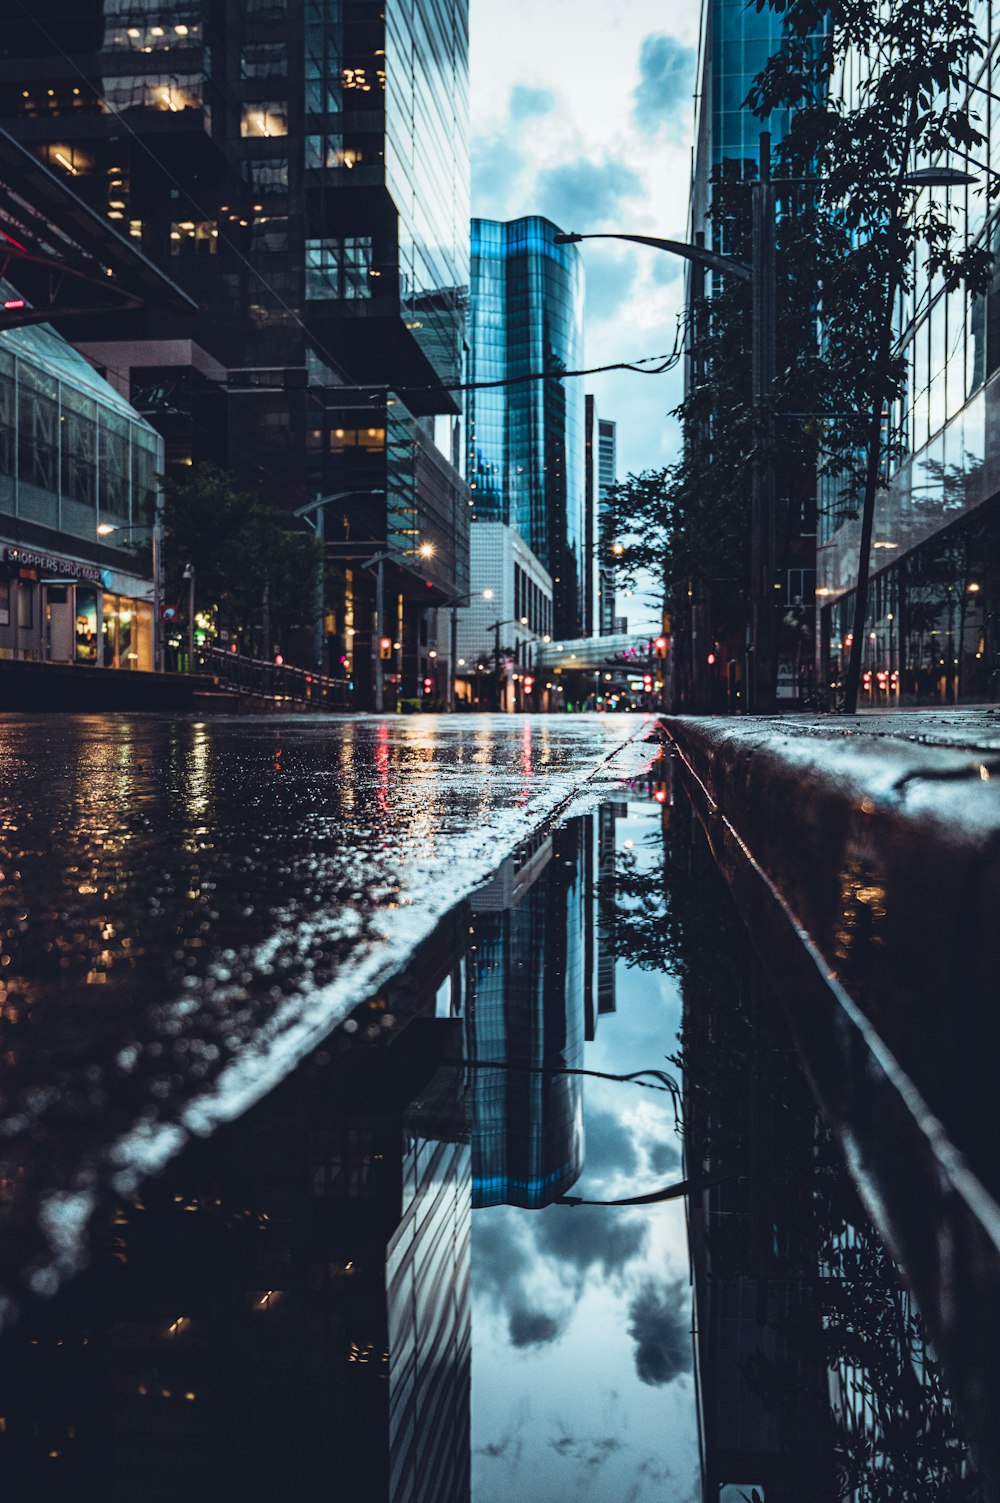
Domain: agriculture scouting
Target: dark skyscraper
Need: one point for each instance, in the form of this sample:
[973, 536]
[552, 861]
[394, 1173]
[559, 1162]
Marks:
[301, 169]
[525, 446]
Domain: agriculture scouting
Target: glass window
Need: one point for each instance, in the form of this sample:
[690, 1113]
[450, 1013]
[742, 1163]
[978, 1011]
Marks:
[78, 422]
[269, 174]
[129, 27]
[339, 268]
[321, 61]
[113, 449]
[270, 234]
[38, 442]
[145, 467]
[264, 60]
[4, 602]
[265, 118]
[194, 237]
[154, 91]
[86, 624]
[25, 604]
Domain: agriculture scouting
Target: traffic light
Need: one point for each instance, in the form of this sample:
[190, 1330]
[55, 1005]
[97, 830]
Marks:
[428, 685]
[385, 648]
[661, 647]
[529, 683]
[647, 683]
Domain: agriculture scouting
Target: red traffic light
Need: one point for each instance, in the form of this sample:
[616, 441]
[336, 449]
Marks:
[661, 646]
[710, 660]
[428, 685]
[647, 682]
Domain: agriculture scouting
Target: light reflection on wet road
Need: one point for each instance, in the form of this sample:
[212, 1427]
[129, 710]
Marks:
[189, 905]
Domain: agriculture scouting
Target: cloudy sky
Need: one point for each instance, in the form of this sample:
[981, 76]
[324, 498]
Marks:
[582, 111]
[581, 1347]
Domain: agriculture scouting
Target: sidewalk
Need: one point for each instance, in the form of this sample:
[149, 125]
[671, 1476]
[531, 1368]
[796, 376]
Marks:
[864, 857]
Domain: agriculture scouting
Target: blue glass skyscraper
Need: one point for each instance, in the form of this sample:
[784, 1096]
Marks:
[525, 449]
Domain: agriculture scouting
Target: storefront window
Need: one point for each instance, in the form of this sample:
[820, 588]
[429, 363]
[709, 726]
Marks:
[25, 604]
[109, 631]
[86, 624]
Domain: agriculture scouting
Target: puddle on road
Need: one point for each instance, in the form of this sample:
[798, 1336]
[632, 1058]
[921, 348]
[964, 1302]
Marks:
[367, 1290]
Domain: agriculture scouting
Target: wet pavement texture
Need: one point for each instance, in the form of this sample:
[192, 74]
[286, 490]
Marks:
[368, 1284]
[189, 906]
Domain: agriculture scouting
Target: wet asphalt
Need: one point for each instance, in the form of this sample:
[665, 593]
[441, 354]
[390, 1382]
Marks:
[189, 905]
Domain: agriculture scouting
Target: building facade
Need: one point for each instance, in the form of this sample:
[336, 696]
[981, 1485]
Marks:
[712, 640]
[601, 462]
[301, 169]
[510, 608]
[79, 481]
[525, 441]
[931, 634]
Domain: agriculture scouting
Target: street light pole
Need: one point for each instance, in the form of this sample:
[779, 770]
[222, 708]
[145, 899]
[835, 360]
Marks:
[319, 591]
[189, 576]
[379, 680]
[764, 681]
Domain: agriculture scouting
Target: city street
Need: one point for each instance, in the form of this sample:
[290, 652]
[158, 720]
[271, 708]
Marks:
[192, 905]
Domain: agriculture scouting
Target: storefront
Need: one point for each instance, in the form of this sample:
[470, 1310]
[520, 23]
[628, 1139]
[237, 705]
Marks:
[56, 609]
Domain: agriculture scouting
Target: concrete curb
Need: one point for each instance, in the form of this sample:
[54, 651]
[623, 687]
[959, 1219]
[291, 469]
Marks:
[867, 868]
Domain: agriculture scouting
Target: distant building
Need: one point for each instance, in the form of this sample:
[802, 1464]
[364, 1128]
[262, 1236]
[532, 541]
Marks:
[607, 476]
[601, 475]
[525, 441]
[521, 600]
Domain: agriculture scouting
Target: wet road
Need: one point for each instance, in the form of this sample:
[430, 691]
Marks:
[189, 906]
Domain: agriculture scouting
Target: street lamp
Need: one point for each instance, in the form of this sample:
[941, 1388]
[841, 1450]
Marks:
[761, 274]
[314, 515]
[388, 555]
[155, 529]
[189, 576]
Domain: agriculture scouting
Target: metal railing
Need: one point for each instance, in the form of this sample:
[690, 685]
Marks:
[278, 683]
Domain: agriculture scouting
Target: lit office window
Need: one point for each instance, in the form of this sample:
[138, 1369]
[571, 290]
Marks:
[152, 91]
[265, 118]
[190, 237]
[129, 27]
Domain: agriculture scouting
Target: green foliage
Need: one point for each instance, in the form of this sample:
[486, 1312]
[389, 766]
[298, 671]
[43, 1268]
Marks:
[239, 545]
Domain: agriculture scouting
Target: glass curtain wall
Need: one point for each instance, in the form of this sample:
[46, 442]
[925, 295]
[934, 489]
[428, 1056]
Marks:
[525, 452]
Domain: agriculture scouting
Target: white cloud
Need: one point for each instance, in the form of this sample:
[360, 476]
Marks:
[581, 72]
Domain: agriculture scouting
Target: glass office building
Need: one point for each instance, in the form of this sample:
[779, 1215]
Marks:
[301, 168]
[525, 442]
[931, 636]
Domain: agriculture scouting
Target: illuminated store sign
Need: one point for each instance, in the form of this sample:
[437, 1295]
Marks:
[49, 563]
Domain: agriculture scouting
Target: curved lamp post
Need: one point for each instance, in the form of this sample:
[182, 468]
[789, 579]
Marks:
[761, 274]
